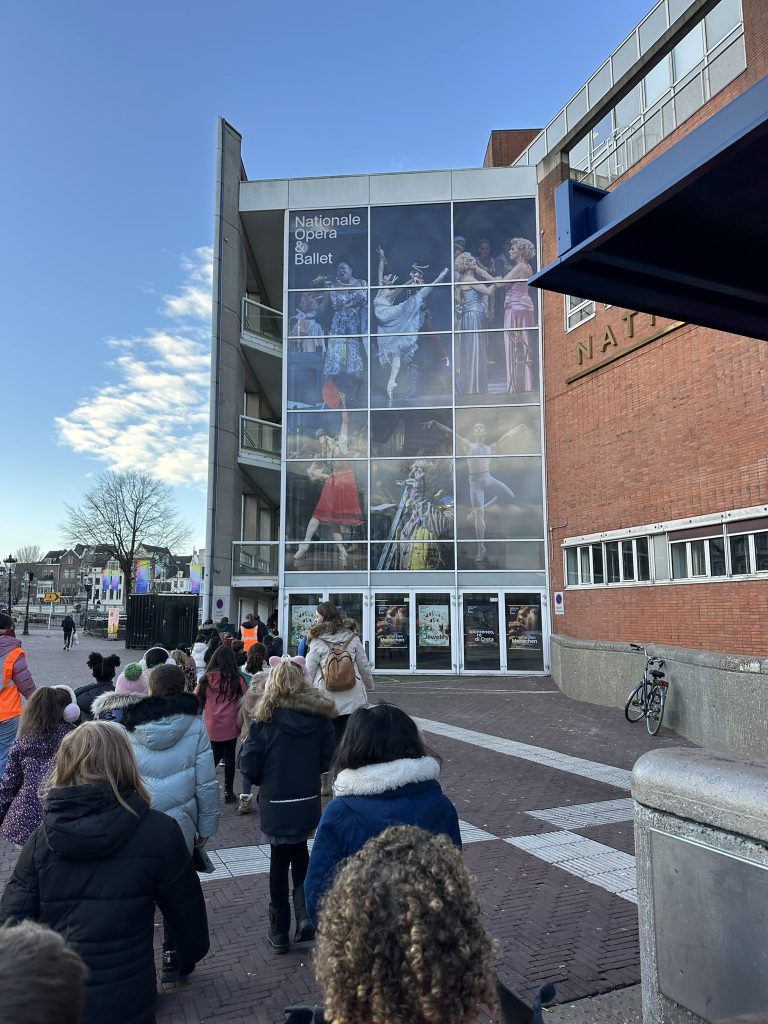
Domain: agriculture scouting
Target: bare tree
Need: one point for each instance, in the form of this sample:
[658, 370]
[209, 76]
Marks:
[122, 512]
[29, 554]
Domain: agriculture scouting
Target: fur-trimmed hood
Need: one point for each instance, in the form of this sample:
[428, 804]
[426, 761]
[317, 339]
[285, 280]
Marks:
[329, 631]
[110, 702]
[305, 702]
[373, 779]
[153, 709]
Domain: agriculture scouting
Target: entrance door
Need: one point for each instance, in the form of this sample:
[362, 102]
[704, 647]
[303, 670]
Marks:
[481, 629]
[524, 634]
[392, 632]
[433, 633]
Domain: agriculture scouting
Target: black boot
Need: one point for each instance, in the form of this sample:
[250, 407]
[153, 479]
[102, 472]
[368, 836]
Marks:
[305, 930]
[171, 970]
[279, 927]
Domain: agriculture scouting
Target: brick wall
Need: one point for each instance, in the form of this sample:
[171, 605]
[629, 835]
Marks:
[677, 428]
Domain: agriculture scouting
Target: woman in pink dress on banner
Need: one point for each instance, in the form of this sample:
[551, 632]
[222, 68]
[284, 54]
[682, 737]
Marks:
[519, 317]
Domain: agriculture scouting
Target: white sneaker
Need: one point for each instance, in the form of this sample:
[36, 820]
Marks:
[245, 806]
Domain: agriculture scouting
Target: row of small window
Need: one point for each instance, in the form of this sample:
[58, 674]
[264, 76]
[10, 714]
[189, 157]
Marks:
[629, 561]
[743, 555]
[618, 561]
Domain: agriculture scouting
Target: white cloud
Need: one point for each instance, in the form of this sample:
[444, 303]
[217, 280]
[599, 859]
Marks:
[152, 414]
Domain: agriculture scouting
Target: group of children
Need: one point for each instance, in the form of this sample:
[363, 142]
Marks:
[292, 729]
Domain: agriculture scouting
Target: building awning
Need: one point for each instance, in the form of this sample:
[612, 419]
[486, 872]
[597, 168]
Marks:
[686, 236]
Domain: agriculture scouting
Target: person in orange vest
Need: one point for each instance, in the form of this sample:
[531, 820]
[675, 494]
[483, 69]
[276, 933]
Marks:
[249, 631]
[15, 680]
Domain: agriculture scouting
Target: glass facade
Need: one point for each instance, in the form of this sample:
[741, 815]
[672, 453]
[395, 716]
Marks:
[413, 416]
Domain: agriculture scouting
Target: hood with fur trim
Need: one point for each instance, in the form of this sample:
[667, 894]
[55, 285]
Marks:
[106, 704]
[373, 779]
[305, 702]
[153, 709]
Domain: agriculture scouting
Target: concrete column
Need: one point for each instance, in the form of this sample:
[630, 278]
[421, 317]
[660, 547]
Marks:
[701, 842]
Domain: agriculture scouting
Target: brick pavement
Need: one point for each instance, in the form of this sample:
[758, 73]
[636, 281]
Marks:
[551, 924]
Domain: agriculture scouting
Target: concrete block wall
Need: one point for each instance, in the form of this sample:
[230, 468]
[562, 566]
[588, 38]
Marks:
[718, 701]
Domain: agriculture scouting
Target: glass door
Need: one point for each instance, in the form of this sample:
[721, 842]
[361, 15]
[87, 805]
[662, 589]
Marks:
[433, 633]
[392, 632]
[524, 635]
[481, 632]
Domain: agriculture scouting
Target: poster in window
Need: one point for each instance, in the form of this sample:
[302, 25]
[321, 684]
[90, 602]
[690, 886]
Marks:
[302, 620]
[434, 625]
[392, 627]
[523, 625]
[481, 624]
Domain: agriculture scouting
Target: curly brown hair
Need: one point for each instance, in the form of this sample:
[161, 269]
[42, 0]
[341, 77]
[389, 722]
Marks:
[401, 938]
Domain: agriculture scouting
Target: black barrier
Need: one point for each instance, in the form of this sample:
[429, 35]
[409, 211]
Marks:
[166, 620]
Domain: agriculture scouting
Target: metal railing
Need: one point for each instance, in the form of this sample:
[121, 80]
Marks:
[255, 558]
[260, 436]
[262, 320]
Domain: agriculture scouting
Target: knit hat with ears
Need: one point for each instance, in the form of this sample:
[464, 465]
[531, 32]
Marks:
[71, 711]
[274, 661]
[132, 680]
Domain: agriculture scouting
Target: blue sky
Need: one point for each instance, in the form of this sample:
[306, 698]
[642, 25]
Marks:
[106, 186]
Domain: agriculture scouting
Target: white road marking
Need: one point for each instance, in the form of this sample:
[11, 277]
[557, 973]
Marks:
[611, 776]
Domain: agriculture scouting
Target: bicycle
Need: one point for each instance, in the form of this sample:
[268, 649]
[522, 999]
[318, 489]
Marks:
[648, 698]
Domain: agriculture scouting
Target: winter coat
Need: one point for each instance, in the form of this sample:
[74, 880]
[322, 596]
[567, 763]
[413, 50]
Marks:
[22, 681]
[173, 753]
[198, 656]
[347, 700]
[109, 706]
[93, 872]
[86, 695]
[286, 756]
[367, 801]
[274, 645]
[68, 624]
[220, 716]
[30, 761]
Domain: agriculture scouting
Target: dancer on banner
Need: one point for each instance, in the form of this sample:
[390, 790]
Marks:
[400, 322]
[339, 504]
[484, 489]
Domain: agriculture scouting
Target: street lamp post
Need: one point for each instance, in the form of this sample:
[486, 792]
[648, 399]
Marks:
[30, 577]
[9, 564]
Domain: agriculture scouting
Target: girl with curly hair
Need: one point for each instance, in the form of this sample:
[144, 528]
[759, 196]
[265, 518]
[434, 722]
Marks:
[290, 744]
[384, 776]
[401, 938]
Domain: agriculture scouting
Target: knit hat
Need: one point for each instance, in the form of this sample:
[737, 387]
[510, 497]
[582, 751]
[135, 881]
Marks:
[71, 711]
[132, 680]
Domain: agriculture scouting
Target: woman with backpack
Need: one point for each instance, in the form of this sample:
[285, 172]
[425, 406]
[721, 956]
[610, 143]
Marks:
[337, 665]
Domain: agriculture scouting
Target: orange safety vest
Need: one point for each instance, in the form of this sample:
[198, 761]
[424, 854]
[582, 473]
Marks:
[10, 698]
[249, 636]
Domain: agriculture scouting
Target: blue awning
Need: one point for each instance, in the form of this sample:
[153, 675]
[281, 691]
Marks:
[686, 236]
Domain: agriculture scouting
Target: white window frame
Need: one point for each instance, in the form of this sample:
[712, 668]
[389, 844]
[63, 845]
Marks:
[583, 305]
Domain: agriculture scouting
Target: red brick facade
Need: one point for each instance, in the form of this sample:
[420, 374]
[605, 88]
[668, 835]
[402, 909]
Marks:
[676, 428]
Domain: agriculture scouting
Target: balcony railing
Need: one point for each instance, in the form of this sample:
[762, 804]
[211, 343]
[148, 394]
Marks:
[255, 558]
[260, 437]
[262, 320]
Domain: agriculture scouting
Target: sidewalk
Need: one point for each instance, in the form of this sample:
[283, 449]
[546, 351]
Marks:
[541, 787]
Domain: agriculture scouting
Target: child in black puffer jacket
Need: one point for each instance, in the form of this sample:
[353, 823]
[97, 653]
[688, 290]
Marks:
[103, 671]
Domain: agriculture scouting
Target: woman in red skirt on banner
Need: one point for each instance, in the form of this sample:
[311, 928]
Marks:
[339, 504]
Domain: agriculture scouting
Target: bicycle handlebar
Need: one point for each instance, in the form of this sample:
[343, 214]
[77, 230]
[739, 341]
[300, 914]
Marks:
[651, 658]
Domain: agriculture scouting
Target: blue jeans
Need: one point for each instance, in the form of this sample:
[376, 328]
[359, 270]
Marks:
[8, 730]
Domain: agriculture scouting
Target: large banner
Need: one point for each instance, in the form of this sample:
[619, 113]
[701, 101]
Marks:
[195, 576]
[114, 582]
[113, 623]
[142, 576]
[392, 627]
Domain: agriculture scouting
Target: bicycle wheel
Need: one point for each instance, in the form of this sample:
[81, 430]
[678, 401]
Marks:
[633, 709]
[656, 699]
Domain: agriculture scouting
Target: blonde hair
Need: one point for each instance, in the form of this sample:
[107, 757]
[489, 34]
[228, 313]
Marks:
[525, 247]
[401, 938]
[94, 754]
[285, 680]
[463, 262]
